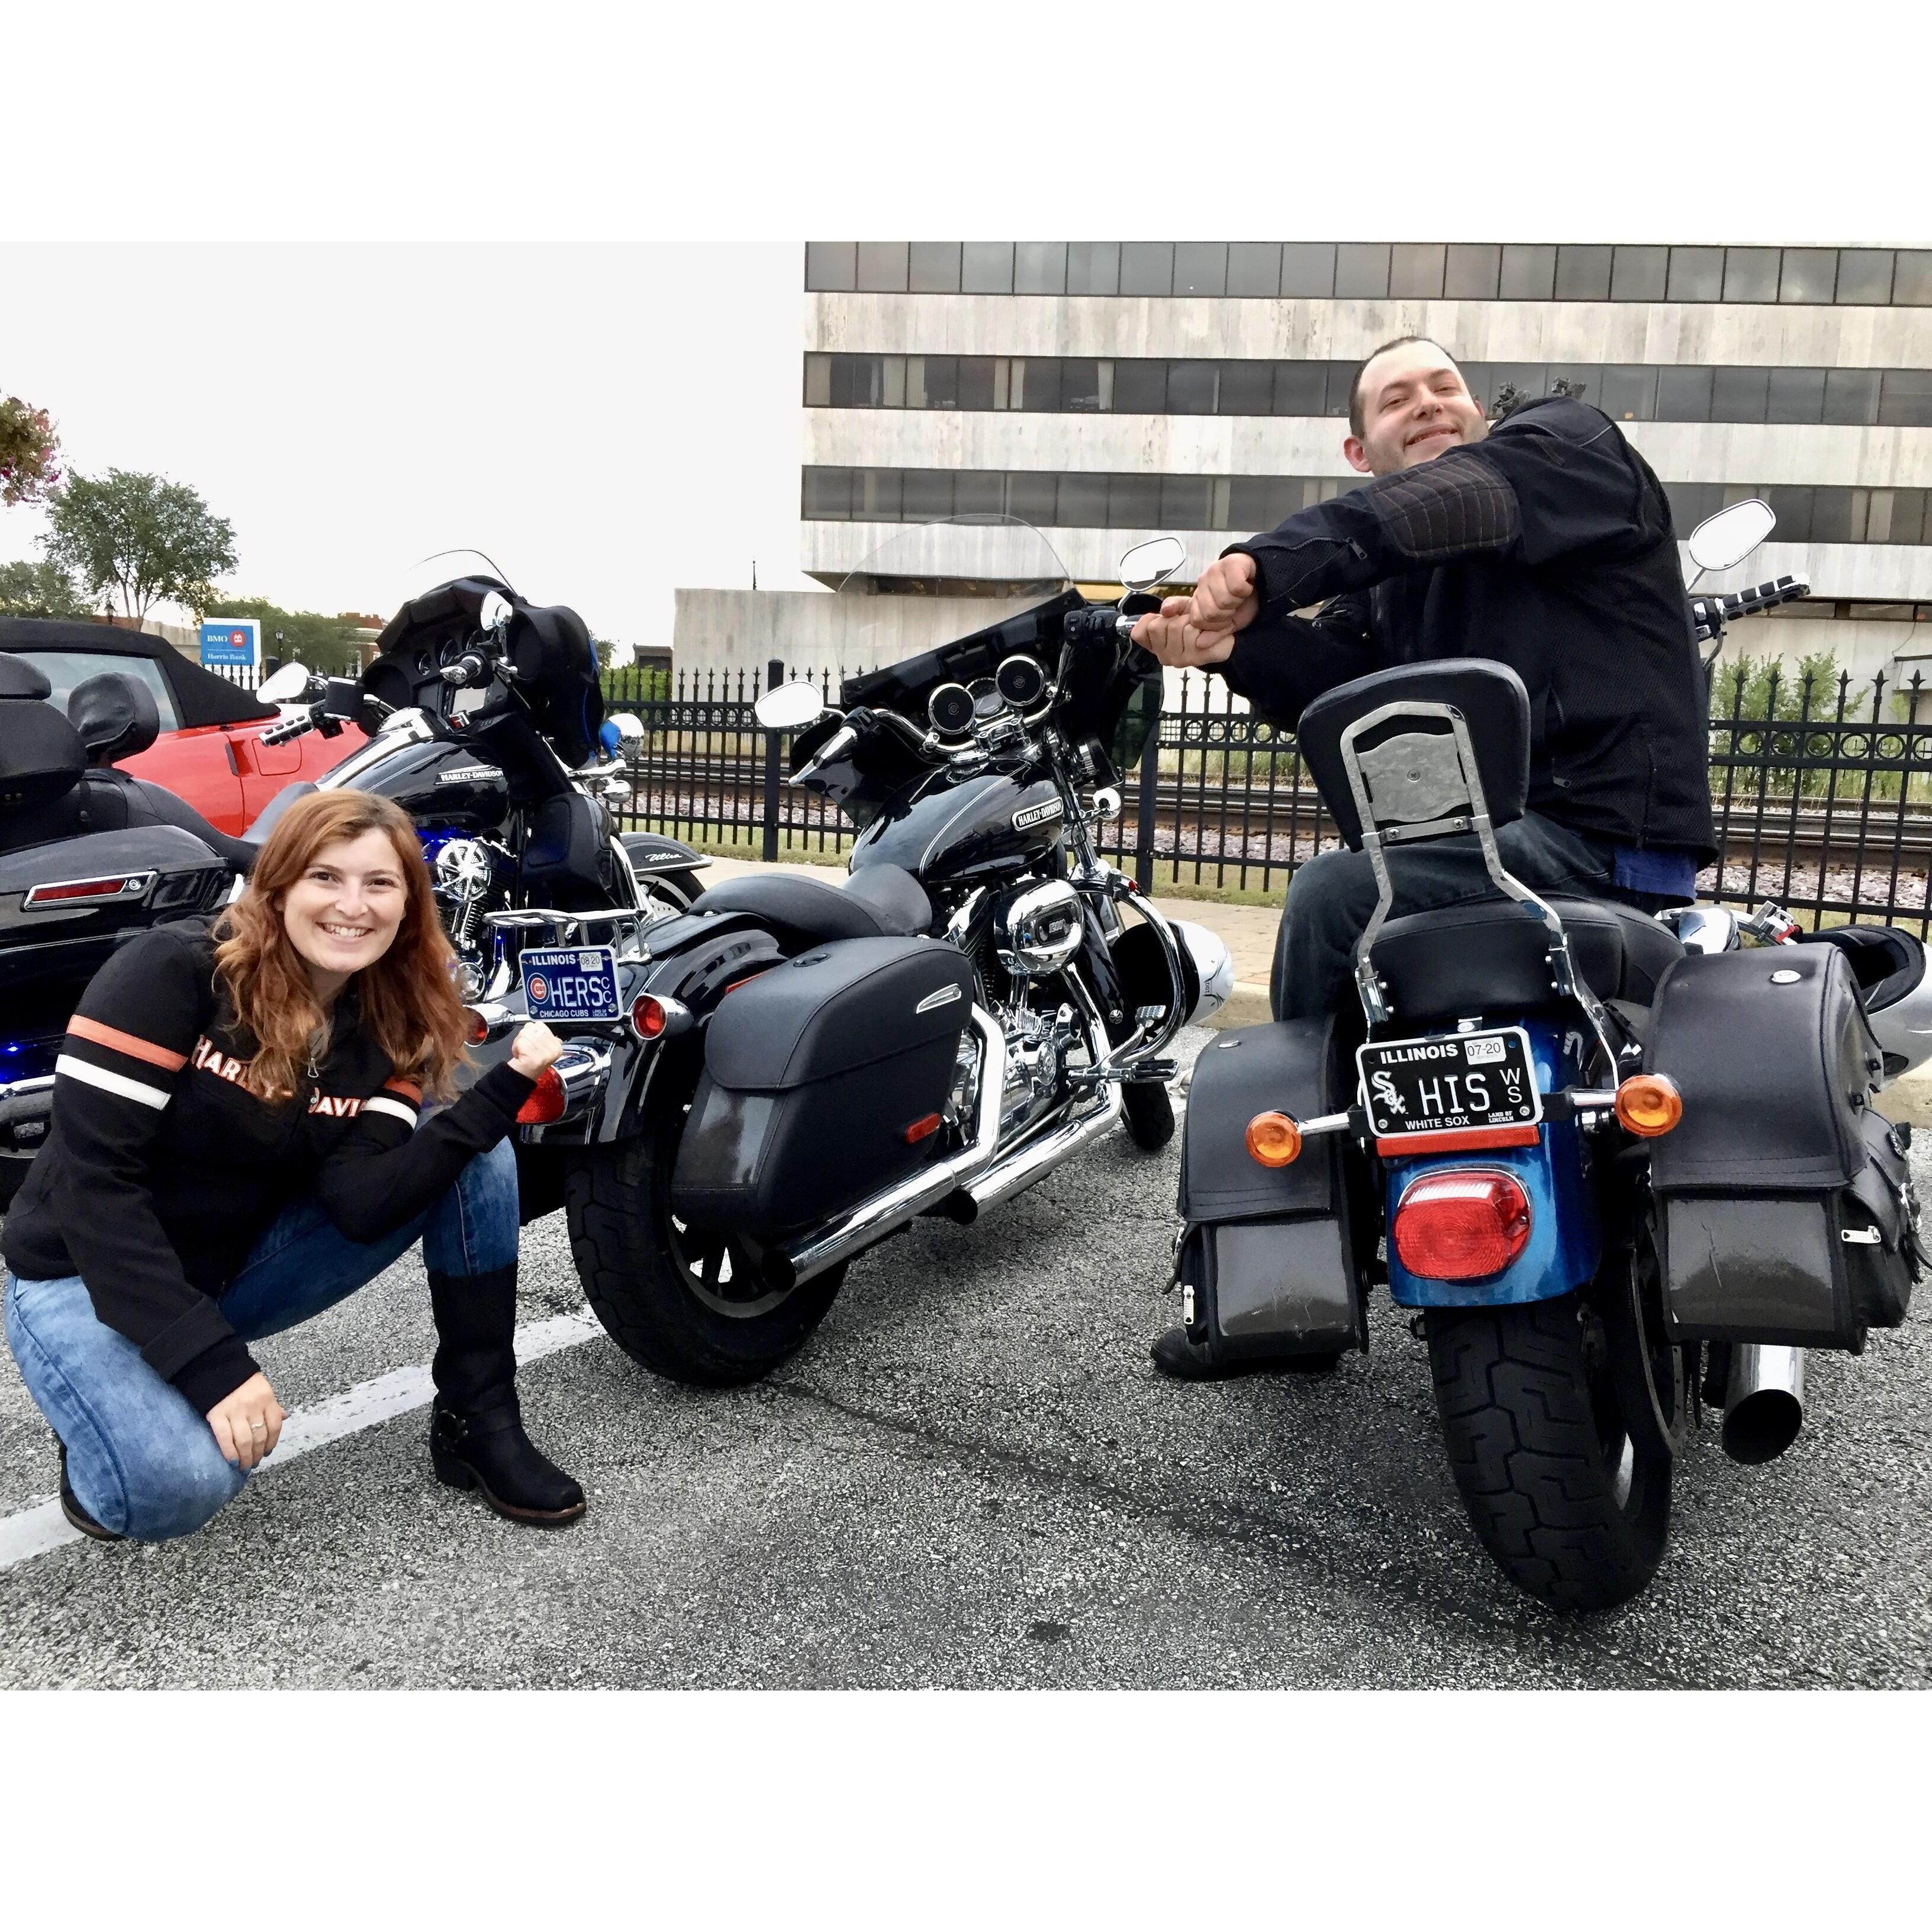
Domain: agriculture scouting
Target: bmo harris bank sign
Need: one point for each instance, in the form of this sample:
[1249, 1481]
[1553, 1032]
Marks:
[226, 642]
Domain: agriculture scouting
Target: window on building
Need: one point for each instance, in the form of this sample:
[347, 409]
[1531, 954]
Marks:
[877, 497]
[818, 382]
[1036, 381]
[1690, 503]
[1905, 398]
[1851, 396]
[1582, 274]
[1201, 267]
[854, 381]
[935, 267]
[927, 495]
[1033, 496]
[827, 496]
[882, 267]
[1246, 389]
[1133, 502]
[1361, 270]
[1864, 275]
[1147, 268]
[1837, 516]
[1897, 516]
[986, 268]
[979, 493]
[1639, 274]
[1186, 503]
[1515, 382]
[976, 374]
[1190, 389]
[1809, 275]
[1738, 395]
[1086, 386]
[1696, 274]
[831, 266]
[932, 382]
[1083, 502]
[1093, 268]
[1308, 269]
[1912, 281]
[1795, 396]
[1341, 381]
[1415, 270]
[1472, 271]
[1792, 504]
[1301, 389]
[1254, 268]
[1140, 387]
[1248, 504]
[892, 384]
[1583, 380]
[1628, 393]
[1750, 275]
[1040, 268]
[1528, 271]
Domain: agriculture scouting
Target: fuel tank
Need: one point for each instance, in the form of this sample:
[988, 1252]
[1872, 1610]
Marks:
[439, 783]
[990, 826]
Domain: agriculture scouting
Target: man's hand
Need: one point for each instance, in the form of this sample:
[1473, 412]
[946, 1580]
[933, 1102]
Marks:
[247, 1423]
[534, 1047]
[1201, 630]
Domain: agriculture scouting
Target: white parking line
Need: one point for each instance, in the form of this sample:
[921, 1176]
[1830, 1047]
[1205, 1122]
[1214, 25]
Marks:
[40, 1526]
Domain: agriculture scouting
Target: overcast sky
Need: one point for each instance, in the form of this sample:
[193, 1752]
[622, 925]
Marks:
[381, 280]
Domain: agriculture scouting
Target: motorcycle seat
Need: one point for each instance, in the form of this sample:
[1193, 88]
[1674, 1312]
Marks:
[1489, 955]
[881, 902]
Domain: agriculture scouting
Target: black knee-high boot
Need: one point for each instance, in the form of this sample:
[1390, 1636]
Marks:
[476, 1436]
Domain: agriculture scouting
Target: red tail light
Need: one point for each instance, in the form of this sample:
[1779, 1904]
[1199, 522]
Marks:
[476, 1028]
[1461, 1226]
[120, 885]
[546, 1101]
[648, 1016]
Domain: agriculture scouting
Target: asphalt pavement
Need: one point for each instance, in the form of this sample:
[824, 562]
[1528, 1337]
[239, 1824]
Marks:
[972, 1477]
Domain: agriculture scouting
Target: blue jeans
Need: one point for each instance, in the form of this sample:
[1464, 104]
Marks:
[140, 1459]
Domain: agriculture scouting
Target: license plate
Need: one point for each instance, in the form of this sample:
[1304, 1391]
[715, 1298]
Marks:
[570, 983]
[1447, 1085]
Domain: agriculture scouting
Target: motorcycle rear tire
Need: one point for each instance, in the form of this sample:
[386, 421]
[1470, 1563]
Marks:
[626, 1245]
[1573, 1504]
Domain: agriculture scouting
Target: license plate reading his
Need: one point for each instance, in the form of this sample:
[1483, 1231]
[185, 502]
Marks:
[1444, 1085]
[570, 983]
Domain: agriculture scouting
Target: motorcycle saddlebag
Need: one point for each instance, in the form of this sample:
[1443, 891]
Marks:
[1785, 1210]
[820, 1077]
[1270, 1254]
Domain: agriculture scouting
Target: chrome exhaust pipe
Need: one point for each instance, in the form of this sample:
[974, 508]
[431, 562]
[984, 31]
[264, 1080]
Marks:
[1025, 1165]
[1764, 1402]
[785, 1267]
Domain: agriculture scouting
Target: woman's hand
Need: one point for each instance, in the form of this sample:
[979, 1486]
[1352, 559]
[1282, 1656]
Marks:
[534, 1047]
[247, 1423]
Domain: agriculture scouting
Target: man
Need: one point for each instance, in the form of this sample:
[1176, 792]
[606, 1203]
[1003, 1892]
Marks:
[1544, 541]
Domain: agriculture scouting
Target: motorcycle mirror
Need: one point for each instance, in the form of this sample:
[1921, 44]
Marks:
[288, 685]
[1731, 534]
[789, 707]
[1152, 562]
[630, 726]
[496, 612]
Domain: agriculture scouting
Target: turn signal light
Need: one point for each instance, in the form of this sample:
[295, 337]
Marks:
[1461, 1226]
[648, 1016]
[1649, 1104]
[546, 1101]
[1274, 1140]
[475, 1028]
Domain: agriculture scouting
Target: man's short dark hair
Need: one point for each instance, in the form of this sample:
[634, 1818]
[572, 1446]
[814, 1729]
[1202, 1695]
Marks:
[1362, 369]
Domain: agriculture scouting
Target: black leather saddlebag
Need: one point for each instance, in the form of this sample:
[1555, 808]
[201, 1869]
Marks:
[1785, 1209]
[820, 1077]
[1267, 1264]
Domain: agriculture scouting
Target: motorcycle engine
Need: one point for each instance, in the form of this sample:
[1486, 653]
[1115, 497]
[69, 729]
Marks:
[464, 874]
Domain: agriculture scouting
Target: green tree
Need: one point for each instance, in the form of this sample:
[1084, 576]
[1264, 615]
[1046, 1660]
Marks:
[323, 643]
[39, 590]
[140, 535]
[28, 448]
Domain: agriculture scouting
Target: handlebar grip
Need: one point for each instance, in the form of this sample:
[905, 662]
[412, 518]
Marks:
[290, 727]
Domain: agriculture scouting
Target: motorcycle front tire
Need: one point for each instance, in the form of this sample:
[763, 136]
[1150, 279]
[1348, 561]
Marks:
[654, 1284]
[1573, 1505]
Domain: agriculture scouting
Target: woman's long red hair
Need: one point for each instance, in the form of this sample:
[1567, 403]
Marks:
[408, 998]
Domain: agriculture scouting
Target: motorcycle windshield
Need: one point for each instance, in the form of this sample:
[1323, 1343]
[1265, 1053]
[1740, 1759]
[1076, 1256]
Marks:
[441, 567]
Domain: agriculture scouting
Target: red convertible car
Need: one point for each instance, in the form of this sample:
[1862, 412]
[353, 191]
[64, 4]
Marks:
[210, 751]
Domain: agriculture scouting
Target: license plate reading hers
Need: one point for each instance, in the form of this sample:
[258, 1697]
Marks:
[1445, 1085]
[570, 983]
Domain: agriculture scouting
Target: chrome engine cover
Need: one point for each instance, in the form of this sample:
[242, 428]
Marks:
[1038, 928]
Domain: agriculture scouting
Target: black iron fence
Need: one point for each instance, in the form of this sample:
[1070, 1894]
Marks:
[1822, 788]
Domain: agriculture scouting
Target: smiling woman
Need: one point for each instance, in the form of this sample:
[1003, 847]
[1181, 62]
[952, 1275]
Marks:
[238, 1142]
